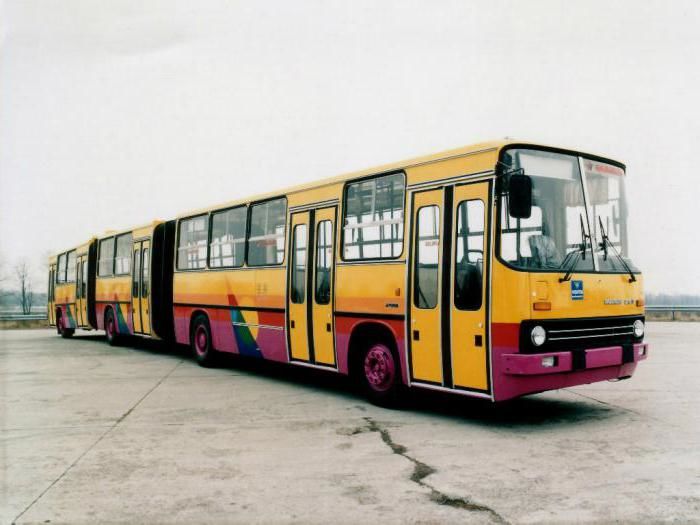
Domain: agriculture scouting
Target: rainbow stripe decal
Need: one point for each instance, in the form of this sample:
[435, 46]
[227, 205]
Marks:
[245, 338]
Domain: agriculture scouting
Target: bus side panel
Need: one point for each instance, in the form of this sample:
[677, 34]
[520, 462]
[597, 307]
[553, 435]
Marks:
[65, 303]
[246, 332]
[344, 328]
[114, 292]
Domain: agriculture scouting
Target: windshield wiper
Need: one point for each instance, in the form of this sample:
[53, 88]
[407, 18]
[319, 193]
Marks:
[604, 246]
[579, 254]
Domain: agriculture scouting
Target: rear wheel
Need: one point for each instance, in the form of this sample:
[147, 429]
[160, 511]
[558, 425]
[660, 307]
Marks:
[380, 375]
[111, 328]
[201, 342]
[61, 327]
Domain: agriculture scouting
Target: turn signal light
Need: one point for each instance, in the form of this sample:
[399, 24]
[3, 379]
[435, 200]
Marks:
[542, 305]
[640, 302]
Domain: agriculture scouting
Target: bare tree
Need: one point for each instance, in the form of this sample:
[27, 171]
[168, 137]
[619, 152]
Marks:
[24, 280]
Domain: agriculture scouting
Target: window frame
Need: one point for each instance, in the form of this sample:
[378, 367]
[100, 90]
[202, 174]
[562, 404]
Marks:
[59, 279]
[177, 242]
[484, 245]
[252, 205]
[209, 237]
[332, 247]
[130, 257]
[416, 255]
[75, 266]
[99, 253]
[343, 215]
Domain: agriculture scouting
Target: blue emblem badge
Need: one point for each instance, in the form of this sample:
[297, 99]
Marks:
[577, 290]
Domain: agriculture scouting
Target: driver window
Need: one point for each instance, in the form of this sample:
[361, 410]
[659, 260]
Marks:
[469, 255]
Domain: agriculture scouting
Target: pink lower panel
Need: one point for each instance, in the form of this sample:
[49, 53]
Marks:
[247, 332]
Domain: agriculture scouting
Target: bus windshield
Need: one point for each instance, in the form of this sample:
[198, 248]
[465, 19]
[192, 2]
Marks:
[560, 224]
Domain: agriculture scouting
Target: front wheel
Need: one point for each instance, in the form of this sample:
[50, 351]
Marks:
[380, 375]
[201, 343]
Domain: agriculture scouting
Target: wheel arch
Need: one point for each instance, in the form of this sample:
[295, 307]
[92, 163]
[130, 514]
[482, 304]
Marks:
[374, 331]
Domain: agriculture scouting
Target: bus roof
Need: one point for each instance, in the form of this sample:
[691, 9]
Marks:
[482, 147]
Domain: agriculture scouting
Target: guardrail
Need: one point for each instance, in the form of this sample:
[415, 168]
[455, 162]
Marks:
[23, 317]
[672, 313]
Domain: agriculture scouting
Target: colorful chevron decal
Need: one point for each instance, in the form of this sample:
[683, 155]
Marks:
[245, 338]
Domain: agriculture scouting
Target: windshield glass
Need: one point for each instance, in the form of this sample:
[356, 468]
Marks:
[548, 239]
[608, 205]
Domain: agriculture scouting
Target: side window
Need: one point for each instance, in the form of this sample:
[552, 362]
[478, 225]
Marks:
[373, 218]
[106, 258]
[299, 264]
[227, 245]
[145, 274]
[425, 279]
[135, 276]
[61, 271]
[192, 246]
[266, 237]
[324, 258]
[70, 268]
[84, 279]
[469, 255]
[122, 257]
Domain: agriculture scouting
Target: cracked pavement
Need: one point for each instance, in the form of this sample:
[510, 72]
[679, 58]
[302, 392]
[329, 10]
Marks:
[139, 433]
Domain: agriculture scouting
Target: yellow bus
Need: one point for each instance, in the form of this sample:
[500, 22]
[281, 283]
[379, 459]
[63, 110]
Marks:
[71, 289]
[491, 271]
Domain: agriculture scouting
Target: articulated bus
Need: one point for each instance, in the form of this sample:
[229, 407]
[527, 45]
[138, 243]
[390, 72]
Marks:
[491, 271]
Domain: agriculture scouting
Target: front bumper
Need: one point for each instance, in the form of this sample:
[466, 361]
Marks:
[573, 361]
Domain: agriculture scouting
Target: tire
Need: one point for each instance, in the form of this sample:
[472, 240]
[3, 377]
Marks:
[61, 327]
[111, 328]
[380, 376]
[201, 342]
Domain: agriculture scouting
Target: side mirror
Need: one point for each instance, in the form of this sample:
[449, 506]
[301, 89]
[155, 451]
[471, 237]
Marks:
[520, 196]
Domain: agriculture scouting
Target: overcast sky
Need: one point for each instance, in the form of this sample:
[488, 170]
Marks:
[115, 113]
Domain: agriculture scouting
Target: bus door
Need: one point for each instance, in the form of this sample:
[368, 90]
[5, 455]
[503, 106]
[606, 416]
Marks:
[81, 286]
[51, 307]
[311, 287]
[447, 307]
[140, 287]
[425, 327]
[470, 270]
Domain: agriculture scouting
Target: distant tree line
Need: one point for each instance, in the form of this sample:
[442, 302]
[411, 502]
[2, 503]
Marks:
[670, 299]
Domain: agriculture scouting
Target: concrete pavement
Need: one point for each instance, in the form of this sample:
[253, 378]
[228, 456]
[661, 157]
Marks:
[141, 434]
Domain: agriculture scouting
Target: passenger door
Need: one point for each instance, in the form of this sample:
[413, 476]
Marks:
[311, 287]
[447, 311]
[425, 328]
[51, 306]
[470, 256]
[81, 290]
[140, 287]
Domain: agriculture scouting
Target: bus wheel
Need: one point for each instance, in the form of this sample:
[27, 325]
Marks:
[111, 328]
[200, 340]
[380, 375]
[62, 330]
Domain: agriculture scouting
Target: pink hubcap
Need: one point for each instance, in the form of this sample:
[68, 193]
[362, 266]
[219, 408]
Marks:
[201, 340]
[110, 326]
[379, 368]
[60, 324]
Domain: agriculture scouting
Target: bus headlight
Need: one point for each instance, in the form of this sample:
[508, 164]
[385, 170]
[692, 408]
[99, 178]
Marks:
[538, 336]
[638, 328]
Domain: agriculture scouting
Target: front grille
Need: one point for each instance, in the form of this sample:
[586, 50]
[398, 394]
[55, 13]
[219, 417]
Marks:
[576, 334]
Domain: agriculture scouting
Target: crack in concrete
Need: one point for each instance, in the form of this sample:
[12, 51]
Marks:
[423, 470]
[97, 442]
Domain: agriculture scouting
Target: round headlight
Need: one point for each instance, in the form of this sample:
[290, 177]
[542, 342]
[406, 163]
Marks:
[638, 327]
[538, 336]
